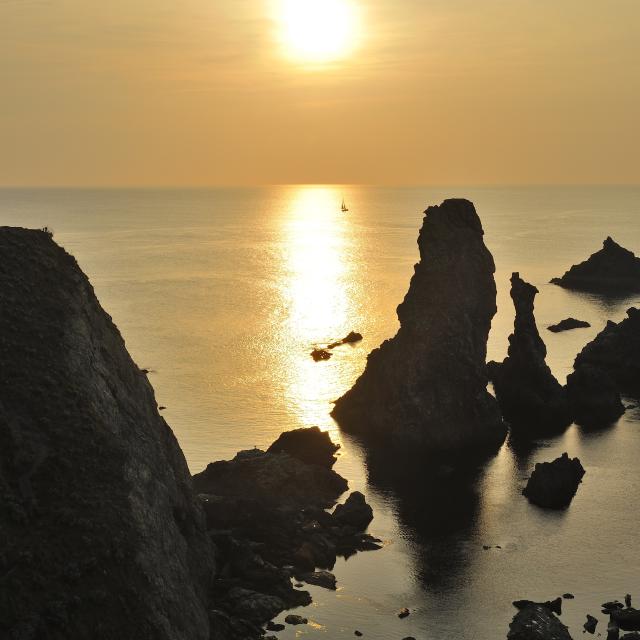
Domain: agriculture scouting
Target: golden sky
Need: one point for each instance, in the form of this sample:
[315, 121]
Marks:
[224, 92]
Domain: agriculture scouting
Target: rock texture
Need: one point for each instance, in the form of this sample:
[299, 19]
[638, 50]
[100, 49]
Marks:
[567, 325]
[593, 397]
[101, 533]
[613, 270]
[530, 398]
[553, 484]
[616, 350]
[426, 387]
[537, 622]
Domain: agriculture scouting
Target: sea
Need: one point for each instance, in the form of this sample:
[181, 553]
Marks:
[223, 293]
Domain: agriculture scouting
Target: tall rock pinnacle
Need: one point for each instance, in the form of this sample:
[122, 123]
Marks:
[426, 387]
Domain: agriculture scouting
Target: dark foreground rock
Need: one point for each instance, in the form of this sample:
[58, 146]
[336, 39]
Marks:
[567, 325]
[265, 511]
[627, 619]
[101, 533]
[530, 397]
[311, 445]
[553, 484]
[537, 622]
[593, 397]
[426, 387]
[616, 350]
[612, 270]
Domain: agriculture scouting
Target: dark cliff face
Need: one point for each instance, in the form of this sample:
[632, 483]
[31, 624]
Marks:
[530, 397]
[616, 351]
[613, 269]
[426, 387]
[100, 531]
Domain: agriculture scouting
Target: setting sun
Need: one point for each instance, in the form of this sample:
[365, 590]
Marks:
[318, 31]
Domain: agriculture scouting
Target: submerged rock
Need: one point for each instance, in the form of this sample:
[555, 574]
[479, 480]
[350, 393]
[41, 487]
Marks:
[530, 397]
[537, 622]
[102, 534]
[612, 270]
[616, 350]
[426, 387]
[567, 325]
[553, 484]
[593, 397]
[311, 445]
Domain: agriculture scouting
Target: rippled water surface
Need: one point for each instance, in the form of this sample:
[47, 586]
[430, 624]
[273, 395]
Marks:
[223, 294]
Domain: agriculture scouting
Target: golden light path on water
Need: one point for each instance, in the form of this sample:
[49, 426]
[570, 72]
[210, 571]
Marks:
[316, 292]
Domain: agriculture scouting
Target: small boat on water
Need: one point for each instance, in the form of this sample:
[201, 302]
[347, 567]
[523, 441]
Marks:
[344, 206]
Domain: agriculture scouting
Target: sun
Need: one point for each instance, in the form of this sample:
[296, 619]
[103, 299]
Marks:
[318, 31]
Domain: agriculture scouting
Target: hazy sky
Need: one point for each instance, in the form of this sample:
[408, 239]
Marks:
[202, 92]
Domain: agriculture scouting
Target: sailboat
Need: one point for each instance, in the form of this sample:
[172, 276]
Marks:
[344, 206]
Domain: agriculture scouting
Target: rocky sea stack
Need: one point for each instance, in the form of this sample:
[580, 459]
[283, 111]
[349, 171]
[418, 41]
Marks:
[102, 535]
[426, 387]
[616, 350]
[553, 484]
[612, 270]
[530, 397]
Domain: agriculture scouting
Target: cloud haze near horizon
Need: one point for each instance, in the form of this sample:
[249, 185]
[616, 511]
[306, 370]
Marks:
[152, 92]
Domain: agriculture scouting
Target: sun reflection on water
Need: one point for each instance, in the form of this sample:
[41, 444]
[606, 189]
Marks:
[319, 262]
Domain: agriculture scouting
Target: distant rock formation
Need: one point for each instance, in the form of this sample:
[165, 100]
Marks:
[553, 484]
[612, 270]
[593, 397]
[616, 350]
[530, 397]
[426, 387]
[567, 325]
[102, 534]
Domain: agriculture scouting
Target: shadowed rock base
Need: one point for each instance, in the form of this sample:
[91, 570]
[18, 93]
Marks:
[426, 387]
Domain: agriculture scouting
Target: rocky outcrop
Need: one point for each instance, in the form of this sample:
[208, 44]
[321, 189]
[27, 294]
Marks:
[567, 325]
[553, 484]
[101, 533]
[537, 622]
[530, 397]
[426, 387]
[310, 445]
[266, 514]
[612, 270]
[355, 512]
[593, 397]
[616, 350]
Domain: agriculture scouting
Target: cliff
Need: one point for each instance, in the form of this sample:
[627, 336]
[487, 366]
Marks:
[101, 533]
[612, 270]
[426, 387]
[530, 397]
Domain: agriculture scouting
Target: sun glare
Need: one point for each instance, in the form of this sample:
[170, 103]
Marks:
[318, 31]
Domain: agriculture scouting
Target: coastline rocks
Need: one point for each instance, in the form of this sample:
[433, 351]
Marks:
[101, 532]
[351, 338]
[537, 622]
[593, 397]
[567, 325]
[612, 270]
[310, 445]
[553, 484]
[591, 624]
[627, 619]
[355, 512]
[320, 354]
[530, 398]
[426, 387]
[616, 350]
[554, 606]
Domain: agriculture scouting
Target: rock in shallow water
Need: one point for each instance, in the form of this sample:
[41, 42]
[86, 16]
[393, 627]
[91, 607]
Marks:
[553, 484]
[537, 622]
[311, 445]
[567, 325]
[426, 387]
[593, 397]
[355, 512]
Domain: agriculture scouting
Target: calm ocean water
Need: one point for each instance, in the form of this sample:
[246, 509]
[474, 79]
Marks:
[223, 294]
